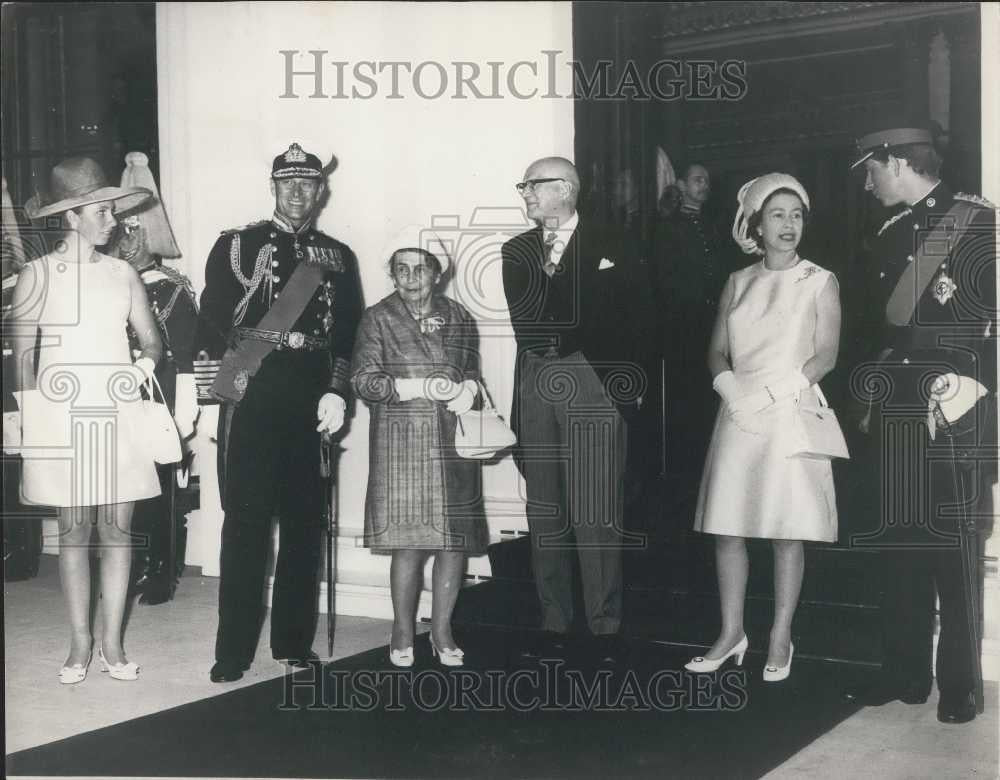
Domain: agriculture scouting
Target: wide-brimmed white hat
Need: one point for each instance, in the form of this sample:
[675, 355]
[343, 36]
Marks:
[80, 181]
[751, 198]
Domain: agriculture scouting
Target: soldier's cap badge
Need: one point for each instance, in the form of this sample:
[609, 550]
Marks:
[296, 162]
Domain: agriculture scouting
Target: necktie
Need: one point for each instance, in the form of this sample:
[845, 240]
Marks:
[549, 267]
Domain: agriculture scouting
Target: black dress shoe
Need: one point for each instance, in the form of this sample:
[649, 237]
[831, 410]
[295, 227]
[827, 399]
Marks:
[956, 708]
[607, 649]
[158, 590]
[303, 659]
[882, 692]
[226, 671]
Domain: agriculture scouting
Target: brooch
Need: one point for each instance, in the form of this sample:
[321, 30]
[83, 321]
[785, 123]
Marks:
[944, 288]
[431, 323]
[806, 273]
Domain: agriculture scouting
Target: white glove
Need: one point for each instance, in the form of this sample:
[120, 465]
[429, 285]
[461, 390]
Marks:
[954, 395]
[735, 396]
[727, 387]
[436, 388]
[11, 432]
[330, 413]
[185, 404]
[408, 389]
[791, 384]
[147, 367]
[466, 397]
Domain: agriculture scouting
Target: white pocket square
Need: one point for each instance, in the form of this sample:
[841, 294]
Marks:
[605, 264]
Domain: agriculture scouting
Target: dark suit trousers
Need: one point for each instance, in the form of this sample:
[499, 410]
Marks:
[573, 444]
[913, 577]
[271, 464]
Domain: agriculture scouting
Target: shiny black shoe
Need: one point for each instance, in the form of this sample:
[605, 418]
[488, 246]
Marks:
[226, 671]
[303, 659]
[882, 692]
[956, 708]
[158, 590]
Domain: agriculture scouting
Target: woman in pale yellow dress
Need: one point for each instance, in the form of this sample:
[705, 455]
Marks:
[776, 336]
[81, 441]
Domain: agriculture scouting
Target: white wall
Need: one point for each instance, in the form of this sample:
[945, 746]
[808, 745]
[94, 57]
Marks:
[401, 160]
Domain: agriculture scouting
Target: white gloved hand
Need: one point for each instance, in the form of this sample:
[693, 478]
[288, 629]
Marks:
[185, 404]
[736, 398]
[954, 395]
[727, 387]
[330, 413]
[434, 388]
[791, 384]
[408, 389]
[440, 388]
[11, 432]
[466, 397]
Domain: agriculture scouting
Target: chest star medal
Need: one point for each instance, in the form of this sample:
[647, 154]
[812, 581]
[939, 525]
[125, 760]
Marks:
[944, 288]
[242, 380]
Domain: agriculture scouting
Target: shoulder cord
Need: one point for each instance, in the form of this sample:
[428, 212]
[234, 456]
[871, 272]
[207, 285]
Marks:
[261, 266]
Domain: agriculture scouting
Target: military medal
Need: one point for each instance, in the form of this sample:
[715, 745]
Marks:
[241, 380]
[944, 287]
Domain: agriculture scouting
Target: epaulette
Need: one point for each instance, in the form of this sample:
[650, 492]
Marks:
[891, 220]
[241, 228]
[977, 199]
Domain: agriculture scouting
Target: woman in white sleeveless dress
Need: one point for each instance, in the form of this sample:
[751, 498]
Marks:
[776, 335]
[80, 442]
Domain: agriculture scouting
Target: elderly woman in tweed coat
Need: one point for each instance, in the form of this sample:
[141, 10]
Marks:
[416, 366]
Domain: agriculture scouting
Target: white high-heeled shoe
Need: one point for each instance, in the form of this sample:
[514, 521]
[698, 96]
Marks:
[448, 656]
[120, 671]
[779, 673]
[71, 675]
[702, 664]
[402, 658]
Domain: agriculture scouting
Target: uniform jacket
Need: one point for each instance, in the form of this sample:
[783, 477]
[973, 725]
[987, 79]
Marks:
[953, 327]
[248, 268]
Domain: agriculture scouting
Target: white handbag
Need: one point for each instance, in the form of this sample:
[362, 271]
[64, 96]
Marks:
[481, 435]
[816, 433]
[157, 427]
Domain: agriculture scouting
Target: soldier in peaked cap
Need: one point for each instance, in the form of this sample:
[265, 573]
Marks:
[932, 415]
[281, 306]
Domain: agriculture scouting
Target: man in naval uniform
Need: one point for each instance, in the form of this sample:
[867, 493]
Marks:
[932, 404]
[280, 307]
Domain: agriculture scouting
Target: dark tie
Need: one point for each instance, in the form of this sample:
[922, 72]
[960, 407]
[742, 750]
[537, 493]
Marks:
[549, 267]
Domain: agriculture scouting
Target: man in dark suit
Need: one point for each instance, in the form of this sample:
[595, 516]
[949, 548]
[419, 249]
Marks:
[936, 379]
[563, 285]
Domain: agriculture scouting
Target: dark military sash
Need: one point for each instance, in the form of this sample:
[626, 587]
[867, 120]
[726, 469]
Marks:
[241, 363]
[933, 251]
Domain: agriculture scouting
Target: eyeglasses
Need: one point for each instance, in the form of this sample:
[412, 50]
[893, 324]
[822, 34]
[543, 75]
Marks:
[529, 185]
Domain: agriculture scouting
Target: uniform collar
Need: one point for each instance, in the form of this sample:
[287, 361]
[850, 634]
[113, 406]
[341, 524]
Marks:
[285, 227]
[934, 199]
